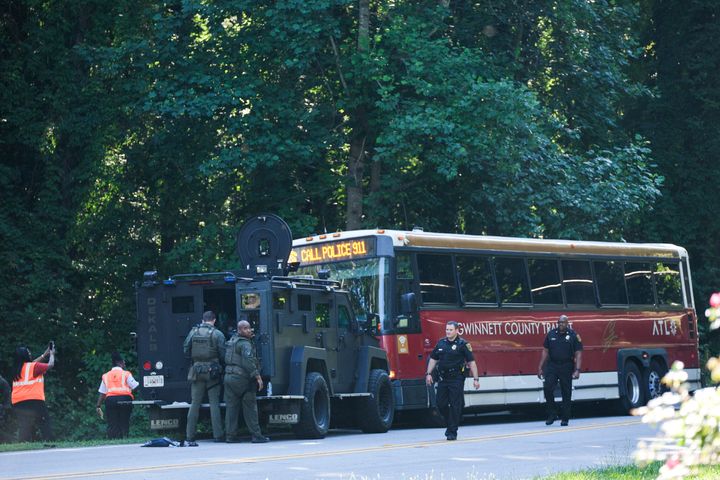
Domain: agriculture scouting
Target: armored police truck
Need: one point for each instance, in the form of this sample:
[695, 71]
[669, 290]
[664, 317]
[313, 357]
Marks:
[320, 363]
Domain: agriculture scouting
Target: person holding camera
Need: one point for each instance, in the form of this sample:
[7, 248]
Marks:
[28, 393]
[205, 345]
[116, 392]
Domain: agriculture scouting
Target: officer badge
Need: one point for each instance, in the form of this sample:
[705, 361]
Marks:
[469, 347]
[454, 347]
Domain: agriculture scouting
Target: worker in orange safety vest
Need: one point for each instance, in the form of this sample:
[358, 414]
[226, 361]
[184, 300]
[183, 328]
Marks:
[28, 393]
[116, 392]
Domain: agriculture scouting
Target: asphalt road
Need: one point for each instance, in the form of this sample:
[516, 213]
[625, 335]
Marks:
[491, 447]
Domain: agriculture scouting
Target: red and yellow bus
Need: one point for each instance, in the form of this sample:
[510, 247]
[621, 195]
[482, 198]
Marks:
[631, 303]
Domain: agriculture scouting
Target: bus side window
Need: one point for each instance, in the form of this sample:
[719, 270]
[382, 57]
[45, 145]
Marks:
[512, 280]
[578, 282]
[667, 284]
[611, 283]
[638, 277]
[405, 286]
[545, 281]
[437, 279]
[476, 279]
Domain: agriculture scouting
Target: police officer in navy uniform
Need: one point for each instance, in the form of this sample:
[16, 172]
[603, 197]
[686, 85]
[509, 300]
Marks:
[560, 362]
[450, 355]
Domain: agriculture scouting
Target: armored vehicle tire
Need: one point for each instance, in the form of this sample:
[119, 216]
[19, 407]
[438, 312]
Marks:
[377, 411]
[652, 380]
[315, 409]
[634, 395]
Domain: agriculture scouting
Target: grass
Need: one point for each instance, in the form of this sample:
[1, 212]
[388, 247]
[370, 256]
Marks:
[631, 472]
[17, 447]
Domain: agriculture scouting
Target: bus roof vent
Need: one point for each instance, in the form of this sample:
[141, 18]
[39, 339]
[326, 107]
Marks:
[417, 229]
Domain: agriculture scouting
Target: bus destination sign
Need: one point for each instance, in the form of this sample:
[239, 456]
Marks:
[334, 251]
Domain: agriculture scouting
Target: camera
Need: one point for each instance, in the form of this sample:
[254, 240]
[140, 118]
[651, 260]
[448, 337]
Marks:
[51, 345]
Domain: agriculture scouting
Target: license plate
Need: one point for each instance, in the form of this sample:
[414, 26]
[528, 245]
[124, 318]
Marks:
[154, 381]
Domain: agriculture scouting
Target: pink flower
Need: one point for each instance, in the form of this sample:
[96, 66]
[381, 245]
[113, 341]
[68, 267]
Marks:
[672, 462]
[715, 300]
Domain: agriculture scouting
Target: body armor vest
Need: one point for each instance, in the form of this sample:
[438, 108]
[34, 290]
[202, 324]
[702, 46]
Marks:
[233, 357]
[203, 347]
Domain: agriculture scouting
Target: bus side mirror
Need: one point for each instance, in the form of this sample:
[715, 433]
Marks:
[408, 304]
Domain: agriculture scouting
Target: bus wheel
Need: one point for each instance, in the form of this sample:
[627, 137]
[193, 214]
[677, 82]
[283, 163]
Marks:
[315, 409]
[634, 395]
[378, 410]
[652, 381]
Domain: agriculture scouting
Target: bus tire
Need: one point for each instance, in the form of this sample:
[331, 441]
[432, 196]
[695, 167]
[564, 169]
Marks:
[634, 396]
[377, 411]
[315, 408]
[652, 380]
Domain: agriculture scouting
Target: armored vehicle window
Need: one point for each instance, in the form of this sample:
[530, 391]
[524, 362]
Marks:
[578, 282]
[512, 280]
[304, 303]
[322, 315]
[611, 283]
[250, 301]
[183, 305]
[476, 279]
[437, 281]
[343, 317]
[638, 277]
[545, 281]
[280, 300]
[667, 283]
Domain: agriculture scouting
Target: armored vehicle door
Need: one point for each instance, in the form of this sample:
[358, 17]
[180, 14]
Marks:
[347, 343]
[325, 333]
[255, 306]
[166, 313]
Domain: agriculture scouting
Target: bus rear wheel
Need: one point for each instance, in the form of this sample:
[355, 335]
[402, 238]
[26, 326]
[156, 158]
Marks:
[378, 410]
[315, 409]
[634, 396]
[652, 380]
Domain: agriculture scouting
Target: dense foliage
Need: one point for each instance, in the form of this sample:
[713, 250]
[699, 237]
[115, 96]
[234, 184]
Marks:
[137, 135]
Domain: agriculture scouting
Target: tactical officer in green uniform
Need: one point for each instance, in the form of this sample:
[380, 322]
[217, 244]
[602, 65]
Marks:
[206, 346]
[242, 381]
[560, 362]
[451, 354]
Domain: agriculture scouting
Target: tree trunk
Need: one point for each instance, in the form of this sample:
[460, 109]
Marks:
[354, 187]
[356, 159]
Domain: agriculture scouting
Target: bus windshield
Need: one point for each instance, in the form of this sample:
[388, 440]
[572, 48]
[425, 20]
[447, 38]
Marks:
[365, 280]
